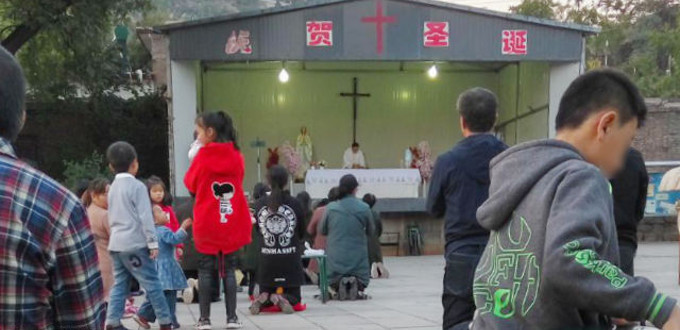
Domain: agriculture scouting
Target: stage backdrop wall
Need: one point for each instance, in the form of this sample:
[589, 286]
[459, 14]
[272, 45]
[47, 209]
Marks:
[405, 106]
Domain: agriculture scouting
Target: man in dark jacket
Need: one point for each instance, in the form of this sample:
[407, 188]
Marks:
[629, 188]
[460, 184]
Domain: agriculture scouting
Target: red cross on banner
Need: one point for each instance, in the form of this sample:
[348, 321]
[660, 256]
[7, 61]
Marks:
[379, 20]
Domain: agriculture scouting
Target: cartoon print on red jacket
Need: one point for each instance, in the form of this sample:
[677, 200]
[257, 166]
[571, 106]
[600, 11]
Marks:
[224, 192]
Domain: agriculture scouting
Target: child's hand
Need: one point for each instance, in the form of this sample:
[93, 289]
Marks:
[158, 214]
[187, 223]
[180, 253]
[154, 254]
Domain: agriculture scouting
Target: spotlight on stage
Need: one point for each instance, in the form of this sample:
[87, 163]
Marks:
[284, 76]
[433, 72]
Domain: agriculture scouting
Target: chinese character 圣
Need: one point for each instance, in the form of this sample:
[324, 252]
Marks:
[239, 43]
[515, 42]
[320, 33]
[436, 34]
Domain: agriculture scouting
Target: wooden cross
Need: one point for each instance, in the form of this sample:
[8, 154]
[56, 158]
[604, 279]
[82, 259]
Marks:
[355, 95]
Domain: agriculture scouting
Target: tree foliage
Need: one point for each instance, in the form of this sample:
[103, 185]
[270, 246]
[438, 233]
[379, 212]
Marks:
[640, 37]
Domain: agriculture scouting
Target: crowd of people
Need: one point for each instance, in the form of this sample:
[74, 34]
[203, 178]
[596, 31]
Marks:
[531, 231]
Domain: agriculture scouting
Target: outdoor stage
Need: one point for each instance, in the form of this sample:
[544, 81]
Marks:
[384, 73]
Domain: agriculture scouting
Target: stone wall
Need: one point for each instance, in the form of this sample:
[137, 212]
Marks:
[659, 138]
[658, 229]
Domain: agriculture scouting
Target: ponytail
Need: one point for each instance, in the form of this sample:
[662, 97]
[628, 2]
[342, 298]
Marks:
[278, 179]
[222, 124]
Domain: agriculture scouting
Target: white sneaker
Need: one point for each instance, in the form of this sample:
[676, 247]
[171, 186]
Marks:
[234, 324]
[374, 270]
[384, 273]
[188, 293]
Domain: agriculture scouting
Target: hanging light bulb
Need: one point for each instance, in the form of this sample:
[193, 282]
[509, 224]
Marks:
[284, 76]
[433, 72]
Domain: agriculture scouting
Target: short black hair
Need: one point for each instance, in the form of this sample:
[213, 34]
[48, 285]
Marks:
[370, 199]
[479, 107]
[120, 156]
[12, 96]
[355, 145]
[597, 90]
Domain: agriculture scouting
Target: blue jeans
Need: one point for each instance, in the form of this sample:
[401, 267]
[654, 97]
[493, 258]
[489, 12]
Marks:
[135, 264]
[146, 311]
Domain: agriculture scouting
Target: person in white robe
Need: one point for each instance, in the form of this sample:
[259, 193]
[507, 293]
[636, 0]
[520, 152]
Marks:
[354, 158]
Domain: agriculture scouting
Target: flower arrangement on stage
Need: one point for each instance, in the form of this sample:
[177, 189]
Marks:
[291, 158]
[422, 160]
[273, 157]
[425, 163]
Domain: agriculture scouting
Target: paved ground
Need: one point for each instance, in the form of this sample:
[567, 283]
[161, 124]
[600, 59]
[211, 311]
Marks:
[408, 300]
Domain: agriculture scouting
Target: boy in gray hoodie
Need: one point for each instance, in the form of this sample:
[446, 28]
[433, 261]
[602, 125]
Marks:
[551, 261]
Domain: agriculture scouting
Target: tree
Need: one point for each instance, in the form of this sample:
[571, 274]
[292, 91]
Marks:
[536, 8]
[22, 20]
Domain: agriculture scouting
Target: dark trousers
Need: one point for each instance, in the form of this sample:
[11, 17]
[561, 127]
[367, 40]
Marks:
[457, 299]
[225, 265]
[627, 255]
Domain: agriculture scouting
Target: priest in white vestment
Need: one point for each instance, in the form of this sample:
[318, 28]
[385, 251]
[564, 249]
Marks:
[354, 158]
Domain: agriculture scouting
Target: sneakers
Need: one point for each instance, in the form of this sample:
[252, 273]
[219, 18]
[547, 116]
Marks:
[143, 323]
[343, 292]
[384, 273]
[312, 276]
[256, 306]
[353, 290]
[348, 289]
[188, 294]
[374, 270]
[166, 326]
[203, 324]
[130, 309]
[234, 323]
[283, 303]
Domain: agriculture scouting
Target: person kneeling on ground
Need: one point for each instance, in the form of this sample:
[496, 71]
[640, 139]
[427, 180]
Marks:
[375, 258]
[280, 222]
[347, 224]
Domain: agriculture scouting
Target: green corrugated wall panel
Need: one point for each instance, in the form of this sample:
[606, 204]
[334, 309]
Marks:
[507, 95]
[404, 108]
[533, 127]
[535, 86]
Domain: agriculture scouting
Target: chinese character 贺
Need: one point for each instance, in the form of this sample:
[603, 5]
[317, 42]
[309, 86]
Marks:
[239, 43]
[515, 42]
[436, 34]
[320, 33]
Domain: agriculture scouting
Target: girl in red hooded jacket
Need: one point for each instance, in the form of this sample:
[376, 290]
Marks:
[222, 220]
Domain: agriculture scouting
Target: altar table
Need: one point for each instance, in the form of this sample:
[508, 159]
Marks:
[384, 183]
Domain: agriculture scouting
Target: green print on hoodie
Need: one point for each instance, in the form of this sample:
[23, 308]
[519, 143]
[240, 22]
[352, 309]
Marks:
[552, 254]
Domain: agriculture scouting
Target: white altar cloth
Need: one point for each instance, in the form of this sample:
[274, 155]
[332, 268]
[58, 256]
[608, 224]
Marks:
[384, 183]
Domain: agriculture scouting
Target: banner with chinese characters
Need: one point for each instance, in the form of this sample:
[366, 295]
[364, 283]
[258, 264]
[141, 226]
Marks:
[239, 43]
[515, 42]
[436, 34]
[320, 34]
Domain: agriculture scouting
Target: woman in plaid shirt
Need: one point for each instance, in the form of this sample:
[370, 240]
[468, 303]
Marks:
[49, 277]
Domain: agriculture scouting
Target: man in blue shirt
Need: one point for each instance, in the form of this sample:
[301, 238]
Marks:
[460, 184]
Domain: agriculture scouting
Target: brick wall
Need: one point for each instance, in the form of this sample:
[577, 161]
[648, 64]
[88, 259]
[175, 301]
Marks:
[659, 140]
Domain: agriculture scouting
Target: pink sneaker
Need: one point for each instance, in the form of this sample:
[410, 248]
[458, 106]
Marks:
[130, 309]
